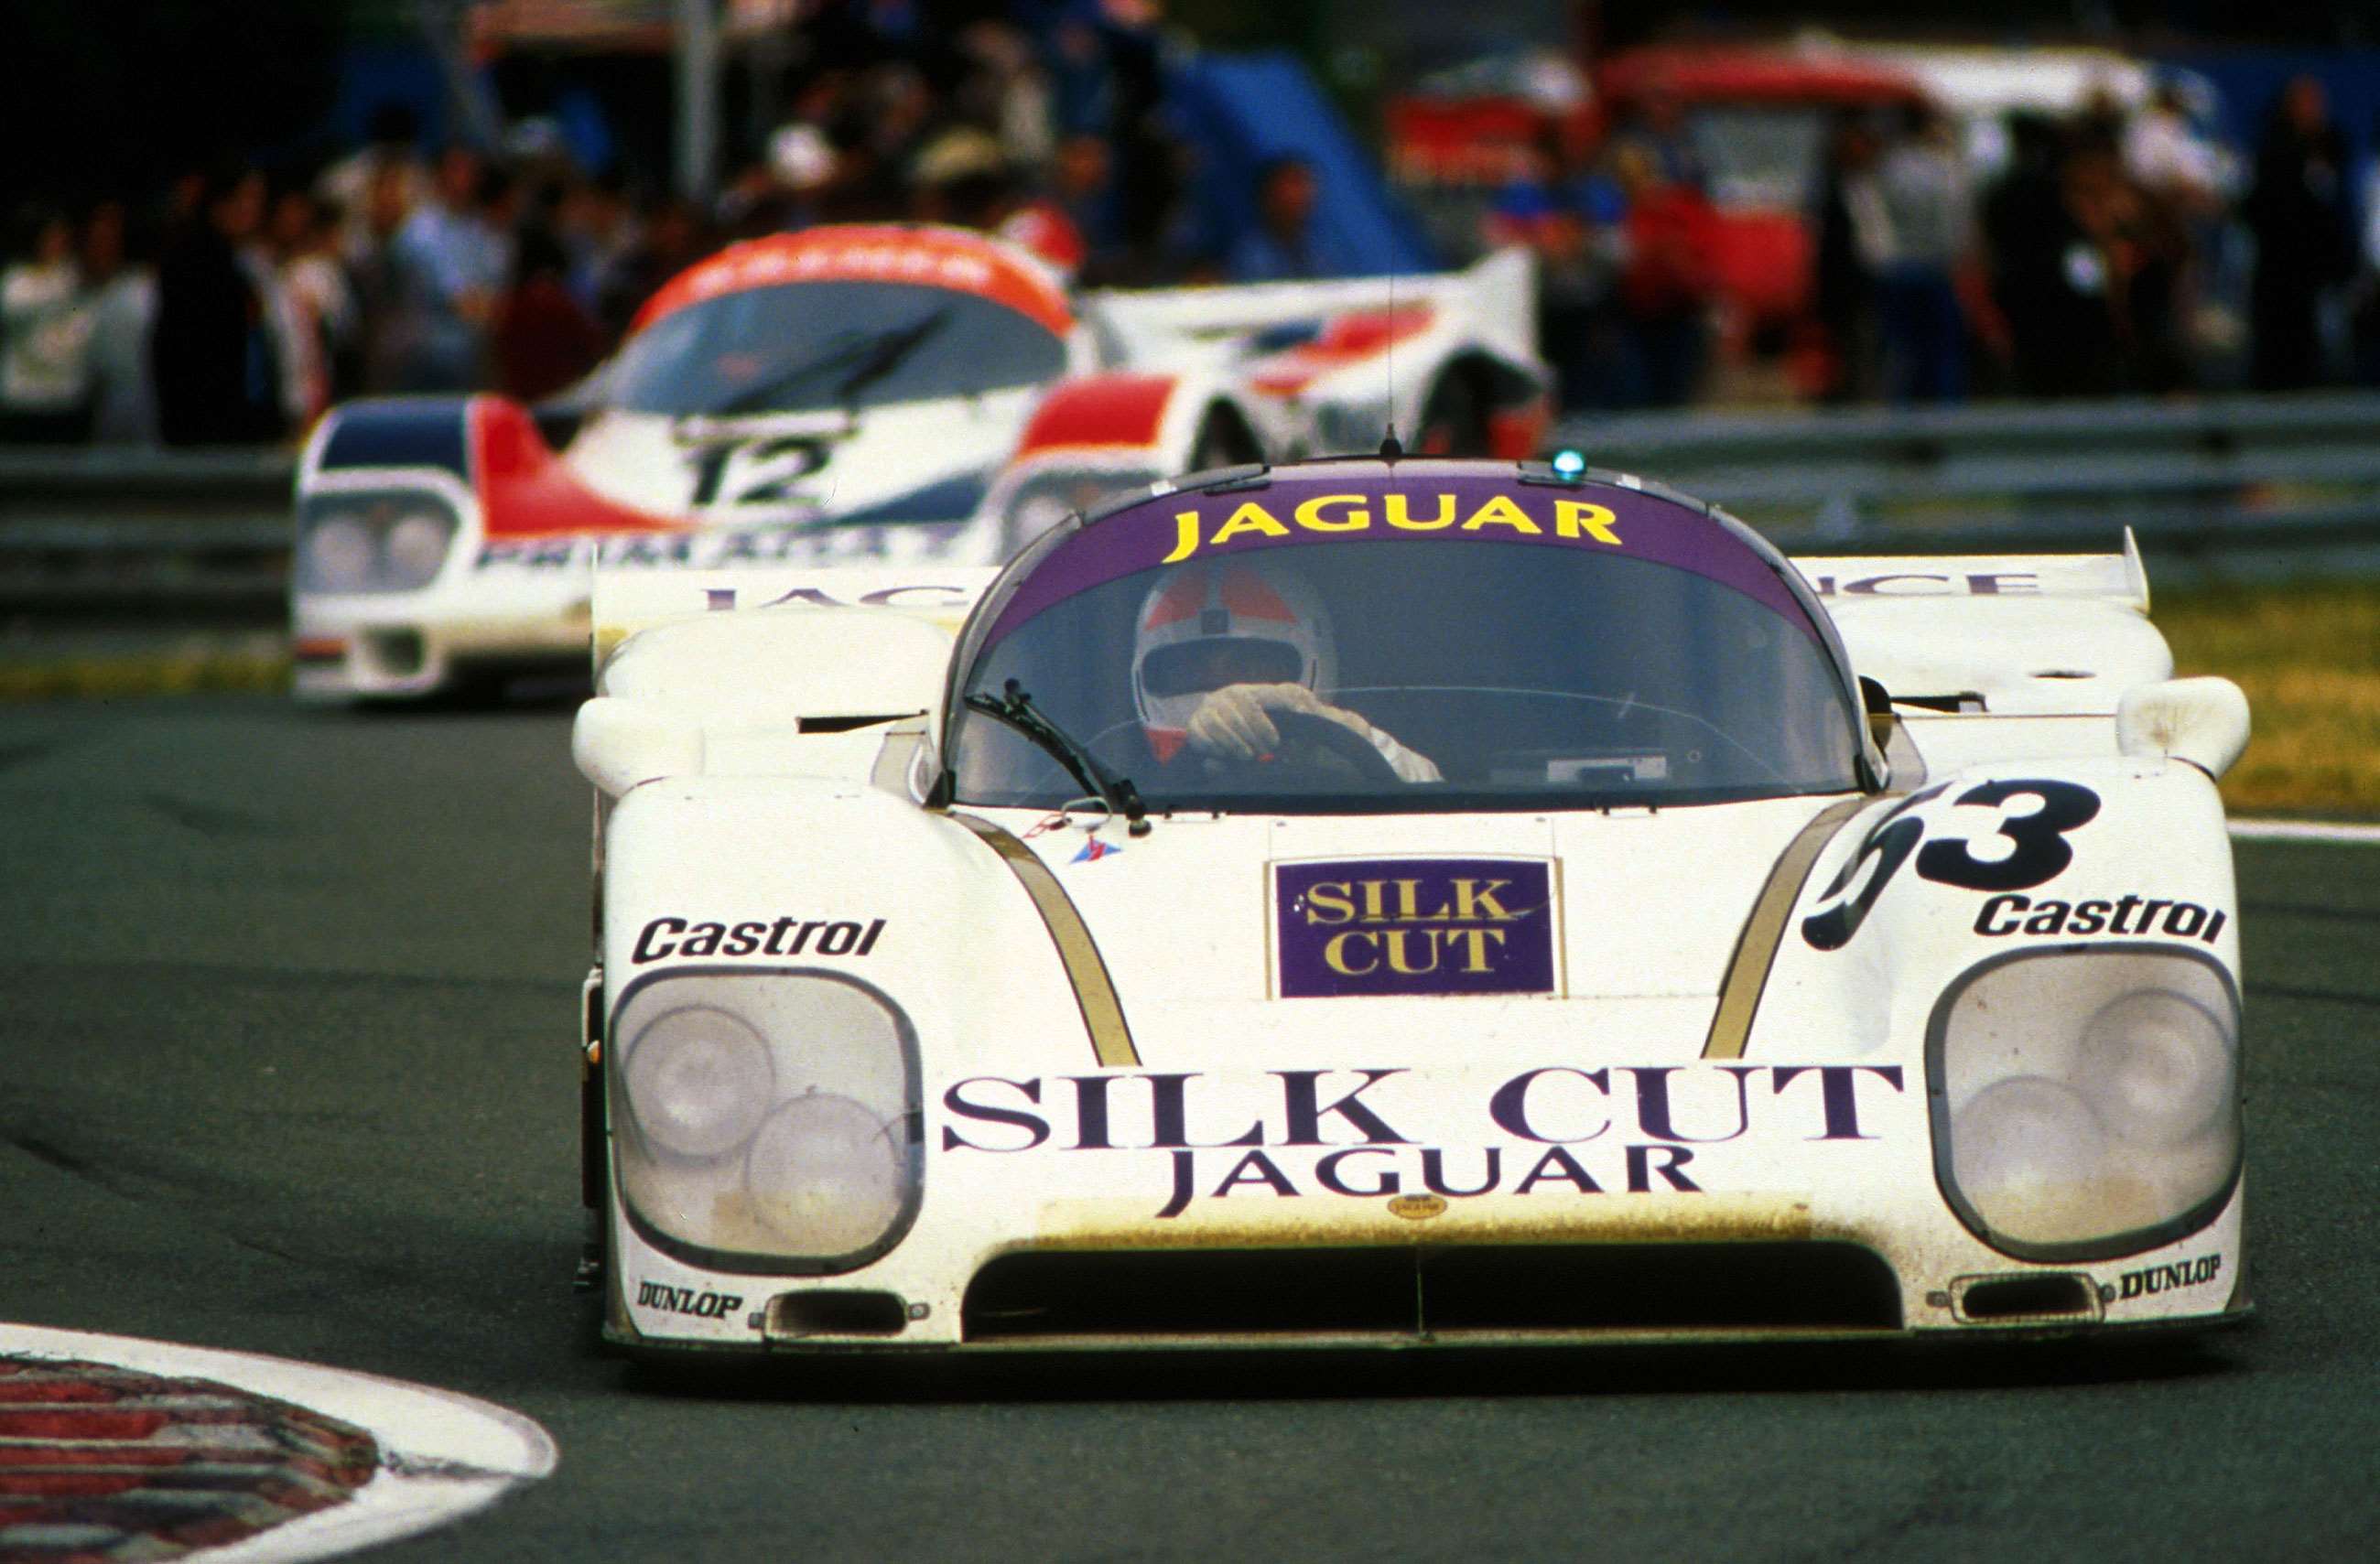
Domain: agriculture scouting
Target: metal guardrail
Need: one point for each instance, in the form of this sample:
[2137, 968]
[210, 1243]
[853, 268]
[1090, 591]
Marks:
[119, 531]
[2202, 478]
[207, 532]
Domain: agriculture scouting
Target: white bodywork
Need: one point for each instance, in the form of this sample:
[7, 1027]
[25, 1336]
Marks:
[1604, 1114]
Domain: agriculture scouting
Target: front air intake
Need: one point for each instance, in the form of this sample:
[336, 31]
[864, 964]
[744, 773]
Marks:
[835, 1312]
[1713, 1288]
[2026, 1299]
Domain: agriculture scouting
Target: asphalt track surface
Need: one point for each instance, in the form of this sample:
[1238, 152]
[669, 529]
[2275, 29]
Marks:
[290, 1002]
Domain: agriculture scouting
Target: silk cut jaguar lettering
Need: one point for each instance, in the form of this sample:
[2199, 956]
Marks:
[1547, 1132]
[1349, 928]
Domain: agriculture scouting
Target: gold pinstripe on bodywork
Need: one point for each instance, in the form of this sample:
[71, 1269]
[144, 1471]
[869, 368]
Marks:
[1755, 948]
[1094, 990]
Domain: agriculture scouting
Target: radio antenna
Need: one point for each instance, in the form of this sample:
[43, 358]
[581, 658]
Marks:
[1390, 449]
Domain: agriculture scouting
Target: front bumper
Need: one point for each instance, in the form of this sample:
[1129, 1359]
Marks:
[1397, 1246]
[401, 648]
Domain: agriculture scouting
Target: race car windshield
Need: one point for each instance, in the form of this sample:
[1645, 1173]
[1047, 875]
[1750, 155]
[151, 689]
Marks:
[1409, 673]
[819, 345]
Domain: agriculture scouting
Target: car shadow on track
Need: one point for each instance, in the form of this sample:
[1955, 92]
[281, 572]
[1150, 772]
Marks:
[1601, 1370]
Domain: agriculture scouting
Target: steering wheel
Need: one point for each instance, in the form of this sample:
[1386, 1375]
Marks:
[1372, 768]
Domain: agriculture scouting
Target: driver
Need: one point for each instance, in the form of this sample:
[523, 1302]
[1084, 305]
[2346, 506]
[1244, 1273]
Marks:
[1217, 647]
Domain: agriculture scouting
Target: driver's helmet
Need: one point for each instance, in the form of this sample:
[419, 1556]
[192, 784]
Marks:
[1209, 624]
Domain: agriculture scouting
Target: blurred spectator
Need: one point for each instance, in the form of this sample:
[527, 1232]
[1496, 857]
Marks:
[117, 269]
[2145, 253]
[1657, 126]
[958, 177]
[1007, 90]
[1079, 215]
[369, 253]
[319, 331]
[880, 138]
[1147, 183]
[2297, 212]
[1284, 246]
[2047, 278]
[1668, 283]
[597, 226]
[671, 239]
[45, 327]
[543, 338]
[453, 254]
[756, 202]
[1853, 239]
[1929, 219]
[2170, 162]
[387, 168]
[2365, 323]
[1569, 215]
[213, 355]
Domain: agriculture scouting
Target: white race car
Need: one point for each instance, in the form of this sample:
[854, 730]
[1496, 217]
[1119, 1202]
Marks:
[1382, 901]
[891, 393]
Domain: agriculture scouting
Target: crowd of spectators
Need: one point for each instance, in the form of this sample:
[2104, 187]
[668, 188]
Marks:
[2107, 254]
[240, 303]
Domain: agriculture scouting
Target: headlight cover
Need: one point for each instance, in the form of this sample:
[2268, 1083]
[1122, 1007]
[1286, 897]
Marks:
[765, 1120]
[2086, 1099]
[373, 542]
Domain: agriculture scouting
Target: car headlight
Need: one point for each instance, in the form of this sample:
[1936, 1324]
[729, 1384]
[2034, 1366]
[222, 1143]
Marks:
[824, 1174]
[2086, 1101]
[338, 553]
[417, 547]
[767, 1121]
[367, 542]
[699, 1080]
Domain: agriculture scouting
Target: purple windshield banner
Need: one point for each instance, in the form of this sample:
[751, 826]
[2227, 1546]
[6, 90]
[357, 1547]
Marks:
[1307, 509]
[1350, 927]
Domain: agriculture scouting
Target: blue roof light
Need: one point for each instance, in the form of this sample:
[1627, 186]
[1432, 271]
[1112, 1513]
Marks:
[1569, 464]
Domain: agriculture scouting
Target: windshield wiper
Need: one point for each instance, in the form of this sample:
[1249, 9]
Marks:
[1015, 707]
[878, 354]
[892, 350]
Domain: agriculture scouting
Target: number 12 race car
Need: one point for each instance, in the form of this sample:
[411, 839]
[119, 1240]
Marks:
[1406, 901]
[862, 392]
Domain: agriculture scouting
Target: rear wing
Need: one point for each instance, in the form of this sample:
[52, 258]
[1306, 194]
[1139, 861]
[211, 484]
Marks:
[628, 598]
[1494, 298]
[2003, 635]
[1845, 578]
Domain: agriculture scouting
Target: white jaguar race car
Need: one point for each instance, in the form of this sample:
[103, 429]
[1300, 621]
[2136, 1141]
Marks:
[1401, 900]
[900, 393]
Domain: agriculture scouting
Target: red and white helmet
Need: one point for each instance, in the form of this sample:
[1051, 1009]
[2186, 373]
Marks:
[1208, 624]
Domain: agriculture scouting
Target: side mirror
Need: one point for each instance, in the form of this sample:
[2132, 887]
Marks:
[618, 741]
[2202, 720]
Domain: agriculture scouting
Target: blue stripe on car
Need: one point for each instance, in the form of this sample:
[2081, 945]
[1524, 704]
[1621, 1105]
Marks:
[400, 434]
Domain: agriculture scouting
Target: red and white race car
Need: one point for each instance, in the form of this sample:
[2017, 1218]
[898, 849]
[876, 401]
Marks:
[887, 394]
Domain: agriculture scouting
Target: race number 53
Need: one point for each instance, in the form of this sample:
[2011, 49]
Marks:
[2035, 854]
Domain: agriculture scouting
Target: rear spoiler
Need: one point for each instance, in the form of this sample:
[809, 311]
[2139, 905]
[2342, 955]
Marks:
[1496, 296]
[632, 597]
[1844, 579]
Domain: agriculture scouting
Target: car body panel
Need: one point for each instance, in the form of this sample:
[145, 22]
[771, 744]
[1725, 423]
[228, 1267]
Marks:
[1748, 1043]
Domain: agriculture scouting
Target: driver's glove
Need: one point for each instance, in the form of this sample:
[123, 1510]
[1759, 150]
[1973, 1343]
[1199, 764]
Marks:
[1231, 723]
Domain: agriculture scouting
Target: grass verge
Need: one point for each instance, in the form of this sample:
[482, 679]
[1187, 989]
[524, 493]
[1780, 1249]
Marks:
[2308, 656]
[187, 671]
